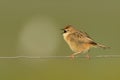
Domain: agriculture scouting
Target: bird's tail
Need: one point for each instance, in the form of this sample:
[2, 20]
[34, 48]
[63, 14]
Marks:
[102, 46]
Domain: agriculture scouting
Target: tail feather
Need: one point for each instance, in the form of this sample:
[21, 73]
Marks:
[99, 45]
[102, 46]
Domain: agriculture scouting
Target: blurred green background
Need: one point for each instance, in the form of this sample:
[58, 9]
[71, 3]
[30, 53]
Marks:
[32, 28]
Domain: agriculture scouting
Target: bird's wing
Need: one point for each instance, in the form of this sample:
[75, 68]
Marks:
[84, 33]
[82, 37]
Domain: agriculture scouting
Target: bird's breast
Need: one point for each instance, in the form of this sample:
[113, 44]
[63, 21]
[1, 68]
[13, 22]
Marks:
[74, 44]
[65, 36]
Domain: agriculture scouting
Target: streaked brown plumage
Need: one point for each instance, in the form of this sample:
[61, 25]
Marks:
[79, 41]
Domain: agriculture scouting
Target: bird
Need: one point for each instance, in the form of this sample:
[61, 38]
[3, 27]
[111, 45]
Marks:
[79, 41]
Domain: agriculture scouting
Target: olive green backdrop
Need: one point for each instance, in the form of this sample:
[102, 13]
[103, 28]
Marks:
[32, 28]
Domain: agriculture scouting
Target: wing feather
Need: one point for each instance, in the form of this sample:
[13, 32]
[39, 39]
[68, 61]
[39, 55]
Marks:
[81, 37]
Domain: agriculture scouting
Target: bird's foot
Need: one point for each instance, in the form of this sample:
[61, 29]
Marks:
[88, 57]
[72, 57]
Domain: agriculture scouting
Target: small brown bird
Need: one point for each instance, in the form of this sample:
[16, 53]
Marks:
[79, 41]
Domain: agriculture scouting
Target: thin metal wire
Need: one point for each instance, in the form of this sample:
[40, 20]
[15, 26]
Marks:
[47, 57]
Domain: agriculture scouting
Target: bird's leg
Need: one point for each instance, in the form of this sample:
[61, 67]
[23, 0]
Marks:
[73, 55]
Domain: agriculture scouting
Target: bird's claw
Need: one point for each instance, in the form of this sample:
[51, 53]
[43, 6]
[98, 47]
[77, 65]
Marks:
[72, 57]
[88, 56]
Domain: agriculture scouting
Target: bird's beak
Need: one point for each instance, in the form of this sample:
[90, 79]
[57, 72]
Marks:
[62, 30]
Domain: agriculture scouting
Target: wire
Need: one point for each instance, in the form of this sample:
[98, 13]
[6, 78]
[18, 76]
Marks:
[45, 57]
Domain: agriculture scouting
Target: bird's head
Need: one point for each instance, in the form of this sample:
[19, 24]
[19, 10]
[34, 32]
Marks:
[69, 29]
